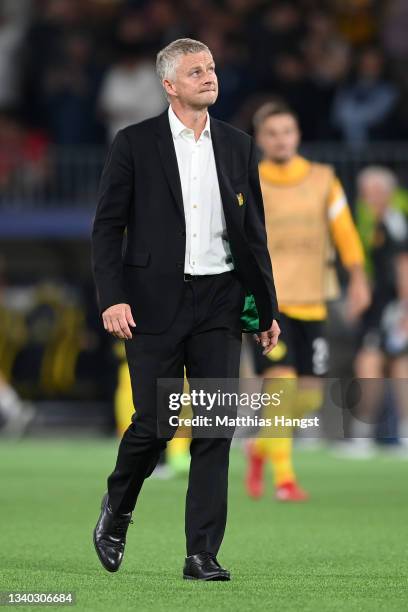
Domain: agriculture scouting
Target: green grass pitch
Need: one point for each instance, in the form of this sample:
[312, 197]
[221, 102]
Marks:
[345, 550]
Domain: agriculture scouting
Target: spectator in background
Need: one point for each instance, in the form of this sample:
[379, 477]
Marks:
[70, 91]
[395, 42]
[11, 39]
[394, 31]
[54, 21]
[327, 58]
[383, 337]
[273, 31]
[166, 21]
[131, 91]
[306, 72]
[356, 20]
[15, 414]
[363, 108]
[24, 163]
[18, 10]
[300, 50]
[290, 82]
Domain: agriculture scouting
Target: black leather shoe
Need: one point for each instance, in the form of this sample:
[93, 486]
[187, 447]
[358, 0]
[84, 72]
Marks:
[204, 566]
[109, 536]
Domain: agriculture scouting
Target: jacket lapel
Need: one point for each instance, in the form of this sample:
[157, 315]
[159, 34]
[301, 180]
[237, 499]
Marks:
[169, 160]
[223, 162]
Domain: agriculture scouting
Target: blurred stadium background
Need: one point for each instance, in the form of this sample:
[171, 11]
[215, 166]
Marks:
[72, 72]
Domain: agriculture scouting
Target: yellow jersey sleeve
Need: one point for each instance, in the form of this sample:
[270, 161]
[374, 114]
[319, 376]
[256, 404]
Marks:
[342, 227]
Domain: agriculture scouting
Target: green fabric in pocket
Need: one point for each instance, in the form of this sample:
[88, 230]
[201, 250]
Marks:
[249, 315]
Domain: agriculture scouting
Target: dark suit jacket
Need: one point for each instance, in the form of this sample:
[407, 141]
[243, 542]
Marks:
[140, 192]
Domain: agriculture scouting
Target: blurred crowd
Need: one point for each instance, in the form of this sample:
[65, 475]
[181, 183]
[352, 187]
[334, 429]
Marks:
[73, 72]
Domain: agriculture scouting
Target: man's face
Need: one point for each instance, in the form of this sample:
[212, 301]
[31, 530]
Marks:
[195, 82]
[278, 137]
[375, 194]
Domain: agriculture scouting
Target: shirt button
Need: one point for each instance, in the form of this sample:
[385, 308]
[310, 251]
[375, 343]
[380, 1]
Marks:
[195, 206]
[194, 235]
[193, 263]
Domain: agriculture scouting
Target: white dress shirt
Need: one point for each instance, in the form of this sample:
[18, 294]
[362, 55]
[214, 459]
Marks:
[207, 249]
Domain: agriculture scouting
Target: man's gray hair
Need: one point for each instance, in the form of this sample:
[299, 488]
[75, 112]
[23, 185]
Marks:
[167, 58]
[381, 173]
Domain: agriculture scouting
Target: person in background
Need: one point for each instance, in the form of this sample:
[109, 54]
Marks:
[305, 209]
[130, 91]
[383, 336]
[16, 415]
[364, 108]
[11, 39]
[24, 157]
[69, 92]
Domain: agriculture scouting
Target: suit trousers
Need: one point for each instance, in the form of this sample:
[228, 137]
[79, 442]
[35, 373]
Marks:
[205, 338]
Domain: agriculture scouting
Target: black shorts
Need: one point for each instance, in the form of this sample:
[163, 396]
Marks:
[302, 345]
[379, 330]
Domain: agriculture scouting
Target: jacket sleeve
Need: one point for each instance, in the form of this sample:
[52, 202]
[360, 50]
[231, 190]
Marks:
[111, 218]
[256, 232]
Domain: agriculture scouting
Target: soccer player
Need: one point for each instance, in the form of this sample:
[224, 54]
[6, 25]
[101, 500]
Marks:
[306, 212]
[383, 334]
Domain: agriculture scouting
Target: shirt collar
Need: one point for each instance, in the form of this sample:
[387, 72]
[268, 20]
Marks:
[177, 127]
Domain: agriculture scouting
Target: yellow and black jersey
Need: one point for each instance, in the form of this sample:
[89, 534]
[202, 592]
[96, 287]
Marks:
[306, 213]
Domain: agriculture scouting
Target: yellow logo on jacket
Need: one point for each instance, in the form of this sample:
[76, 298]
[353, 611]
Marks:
[240, 199]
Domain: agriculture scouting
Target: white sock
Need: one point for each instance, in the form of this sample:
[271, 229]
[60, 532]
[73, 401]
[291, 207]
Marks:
[403, 431]
[10, 403]
[361, 433]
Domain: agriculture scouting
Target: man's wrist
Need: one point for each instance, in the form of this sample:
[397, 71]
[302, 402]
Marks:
[357, 274]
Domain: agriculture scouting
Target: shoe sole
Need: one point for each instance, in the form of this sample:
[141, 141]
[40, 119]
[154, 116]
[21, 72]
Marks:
[108, 569]
[215, 579]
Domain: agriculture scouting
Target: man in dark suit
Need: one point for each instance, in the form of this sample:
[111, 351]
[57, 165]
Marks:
[185, 187]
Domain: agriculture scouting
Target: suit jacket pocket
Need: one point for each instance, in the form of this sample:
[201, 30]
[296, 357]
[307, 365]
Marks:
[140, 259]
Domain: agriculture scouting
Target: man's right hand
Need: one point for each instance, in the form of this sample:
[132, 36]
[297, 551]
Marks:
[116, 321]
